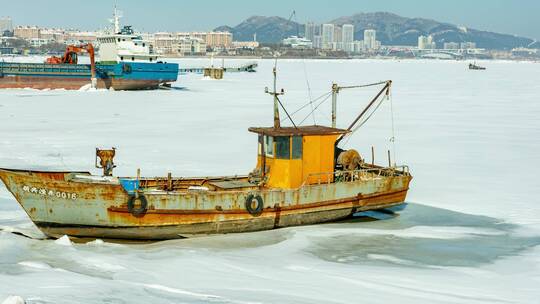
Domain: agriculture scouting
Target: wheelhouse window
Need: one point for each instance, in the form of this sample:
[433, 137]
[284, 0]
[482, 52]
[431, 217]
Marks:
[269, 145]
[296, 147]
[283, 147]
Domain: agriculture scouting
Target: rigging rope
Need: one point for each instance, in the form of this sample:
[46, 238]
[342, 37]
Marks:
[286, 112]
[310, 97]
[393, 138]
[363, 85]
[324, 100]
[364, 121]
[307, 104]
[293, 15]
[309, 90]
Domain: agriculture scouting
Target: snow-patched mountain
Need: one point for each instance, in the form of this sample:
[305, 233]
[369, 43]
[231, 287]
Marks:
[391, 29]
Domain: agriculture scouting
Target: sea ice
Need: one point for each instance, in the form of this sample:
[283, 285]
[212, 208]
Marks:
[470, 235]
[64, 241]
[13, 300]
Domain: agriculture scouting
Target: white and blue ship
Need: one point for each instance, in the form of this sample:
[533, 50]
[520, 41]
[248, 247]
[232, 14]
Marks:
[126, 62]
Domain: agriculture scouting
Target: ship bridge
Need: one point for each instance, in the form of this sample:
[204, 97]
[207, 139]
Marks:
[290, 156]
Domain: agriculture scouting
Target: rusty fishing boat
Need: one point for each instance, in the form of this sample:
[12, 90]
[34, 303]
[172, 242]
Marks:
[302, 177]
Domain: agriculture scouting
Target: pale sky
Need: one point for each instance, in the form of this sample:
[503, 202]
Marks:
[519, 17]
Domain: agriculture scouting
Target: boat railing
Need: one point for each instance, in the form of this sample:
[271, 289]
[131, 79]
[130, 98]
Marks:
[340, 176]
[17, 67]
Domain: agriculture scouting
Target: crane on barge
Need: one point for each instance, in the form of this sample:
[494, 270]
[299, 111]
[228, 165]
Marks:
[70, 57]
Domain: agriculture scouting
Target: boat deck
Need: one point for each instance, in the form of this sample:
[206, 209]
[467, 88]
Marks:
[242, 183]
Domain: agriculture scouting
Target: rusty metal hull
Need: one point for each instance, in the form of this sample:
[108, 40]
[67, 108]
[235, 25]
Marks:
[75, 83]
[61, 203]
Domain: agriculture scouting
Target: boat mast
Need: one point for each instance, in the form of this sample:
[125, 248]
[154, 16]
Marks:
[276, 109]
[335, 91]
[116, 20]
[275, 93]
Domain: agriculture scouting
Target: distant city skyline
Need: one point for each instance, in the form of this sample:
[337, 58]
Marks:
[518, 17]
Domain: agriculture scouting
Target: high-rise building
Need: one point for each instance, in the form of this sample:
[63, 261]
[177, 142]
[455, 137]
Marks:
[468, 45]
[5, 24]
[211, 39]
[218, 39]
[317, 42]
[337, 44]
[338, 33]
[311, 31]
[422, 42]
[358, 46]
[327, 36]
[426, 43]
[191, 46]
[370, 39]
[27, 32]
[451, 45]
[165, 43]
[347, 37]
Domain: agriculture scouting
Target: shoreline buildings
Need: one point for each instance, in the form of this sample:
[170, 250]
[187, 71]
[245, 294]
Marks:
[164, 43]
[324, 40]
[332, 37]
[191, 43]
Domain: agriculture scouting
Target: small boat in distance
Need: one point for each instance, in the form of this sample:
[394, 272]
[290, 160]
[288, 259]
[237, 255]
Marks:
[301, 177]
[474, 66]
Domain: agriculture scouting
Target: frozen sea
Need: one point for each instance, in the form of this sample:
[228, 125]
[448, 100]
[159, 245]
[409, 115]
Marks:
[471, 233]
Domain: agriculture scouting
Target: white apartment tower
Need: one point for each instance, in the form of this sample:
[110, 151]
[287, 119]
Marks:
[468, 45]
[327, 34]
[347, 37]
[426, 43]
[317, 42]
[310, 31]
[370, 39]
[5, 24]
[338, 43]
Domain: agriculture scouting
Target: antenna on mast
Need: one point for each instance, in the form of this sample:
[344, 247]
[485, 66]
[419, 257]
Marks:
[275, 93]
[116, 20]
